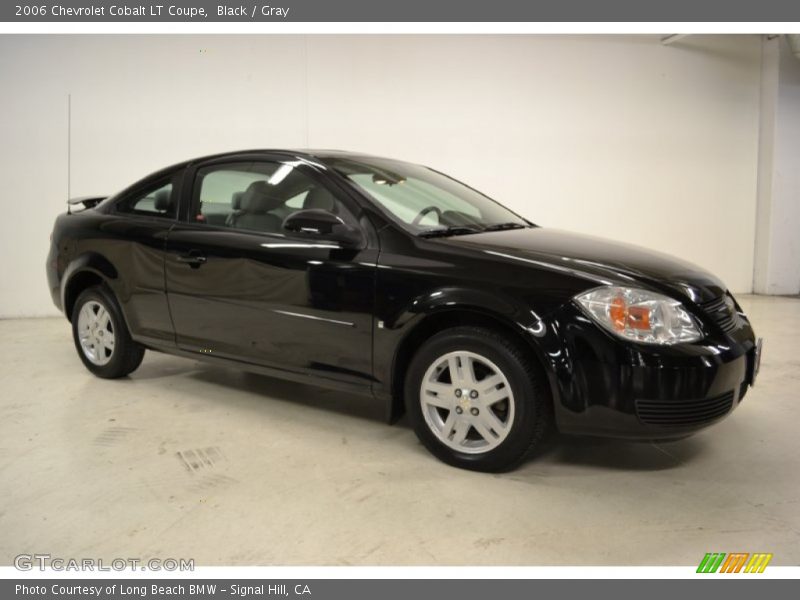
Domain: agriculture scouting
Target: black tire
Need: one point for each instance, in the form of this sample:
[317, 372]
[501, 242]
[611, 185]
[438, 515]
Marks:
[532, 415]
[126, 355]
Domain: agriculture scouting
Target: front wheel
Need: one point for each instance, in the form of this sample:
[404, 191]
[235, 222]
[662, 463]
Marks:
[475, 400]
[101, 337]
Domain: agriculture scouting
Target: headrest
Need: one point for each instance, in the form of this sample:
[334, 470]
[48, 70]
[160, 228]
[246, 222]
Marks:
[162, 200]
[236, 200]
[257, 199]
[319, 197]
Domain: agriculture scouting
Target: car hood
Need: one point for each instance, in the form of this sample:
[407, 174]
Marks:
[599, 260]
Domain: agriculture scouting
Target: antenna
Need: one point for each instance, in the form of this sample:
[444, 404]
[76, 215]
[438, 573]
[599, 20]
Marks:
[69, 152]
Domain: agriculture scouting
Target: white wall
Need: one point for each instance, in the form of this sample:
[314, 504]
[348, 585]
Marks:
[617, 136]
[777, 256]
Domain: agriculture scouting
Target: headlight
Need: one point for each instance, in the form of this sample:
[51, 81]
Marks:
[639, 315]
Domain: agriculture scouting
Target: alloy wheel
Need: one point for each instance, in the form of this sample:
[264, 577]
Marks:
[96, 333]
[467, 402]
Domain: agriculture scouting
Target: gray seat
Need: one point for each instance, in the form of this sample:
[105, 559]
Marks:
[320, 197]
[254, 206]
[163, 201]
[236, 208]
[236, 201]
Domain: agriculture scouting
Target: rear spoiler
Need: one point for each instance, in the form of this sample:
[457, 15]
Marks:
[87, 201]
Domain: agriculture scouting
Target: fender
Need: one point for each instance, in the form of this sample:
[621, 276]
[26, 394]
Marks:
[452, 296]
[89, 262]
[396, 336]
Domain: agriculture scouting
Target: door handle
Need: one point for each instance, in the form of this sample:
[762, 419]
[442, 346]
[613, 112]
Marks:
[193, 258]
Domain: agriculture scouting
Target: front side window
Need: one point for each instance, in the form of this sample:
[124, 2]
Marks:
[258, 196]
[158, 201]
[422, 200]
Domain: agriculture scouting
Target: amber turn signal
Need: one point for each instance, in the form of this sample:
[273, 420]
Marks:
[622, 315]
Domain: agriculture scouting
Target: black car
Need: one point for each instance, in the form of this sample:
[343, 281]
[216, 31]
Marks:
[391, 279]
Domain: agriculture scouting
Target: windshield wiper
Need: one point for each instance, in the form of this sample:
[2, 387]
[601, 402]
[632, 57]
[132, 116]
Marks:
[502, 226]
[448, 231]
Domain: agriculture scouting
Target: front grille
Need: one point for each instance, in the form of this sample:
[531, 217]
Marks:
[723, 312]
[683, 412]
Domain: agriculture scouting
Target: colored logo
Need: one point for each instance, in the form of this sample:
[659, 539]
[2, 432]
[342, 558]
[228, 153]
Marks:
[735, 562]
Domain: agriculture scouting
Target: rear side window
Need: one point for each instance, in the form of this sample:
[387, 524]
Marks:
[157, 201]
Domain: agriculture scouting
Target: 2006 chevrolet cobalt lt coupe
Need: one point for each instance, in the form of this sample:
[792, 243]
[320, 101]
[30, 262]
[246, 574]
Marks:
[384, 277]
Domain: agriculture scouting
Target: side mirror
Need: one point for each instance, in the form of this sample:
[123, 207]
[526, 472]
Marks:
[316, 223]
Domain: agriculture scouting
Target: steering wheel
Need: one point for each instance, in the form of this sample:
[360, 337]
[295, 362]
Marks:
[425, 211]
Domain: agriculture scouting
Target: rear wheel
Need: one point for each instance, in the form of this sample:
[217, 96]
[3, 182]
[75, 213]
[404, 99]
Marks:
[101, 337]
[475, 400]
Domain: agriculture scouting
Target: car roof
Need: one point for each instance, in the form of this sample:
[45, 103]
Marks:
[307, 153]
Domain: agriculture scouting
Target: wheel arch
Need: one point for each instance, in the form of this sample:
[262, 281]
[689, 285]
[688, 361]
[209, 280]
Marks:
[85, 271]
[426, 326]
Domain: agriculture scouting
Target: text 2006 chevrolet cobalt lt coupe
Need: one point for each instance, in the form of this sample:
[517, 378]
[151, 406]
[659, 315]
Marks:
[389, 278]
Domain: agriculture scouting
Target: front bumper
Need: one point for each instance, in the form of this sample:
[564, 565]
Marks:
[606, 387]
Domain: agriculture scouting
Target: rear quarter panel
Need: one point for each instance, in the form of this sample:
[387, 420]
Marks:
[127, 252]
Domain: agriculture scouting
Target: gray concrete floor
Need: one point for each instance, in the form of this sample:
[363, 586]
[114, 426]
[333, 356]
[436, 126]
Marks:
[291, 474]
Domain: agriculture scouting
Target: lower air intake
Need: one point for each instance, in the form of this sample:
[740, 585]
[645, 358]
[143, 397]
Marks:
[683, 412]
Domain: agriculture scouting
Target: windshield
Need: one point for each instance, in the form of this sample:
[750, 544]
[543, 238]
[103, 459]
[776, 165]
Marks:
[422, 200]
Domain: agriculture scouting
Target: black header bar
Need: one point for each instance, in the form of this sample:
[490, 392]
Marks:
[545, 11]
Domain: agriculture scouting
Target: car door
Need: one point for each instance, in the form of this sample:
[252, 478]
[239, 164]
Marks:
[240, 287]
